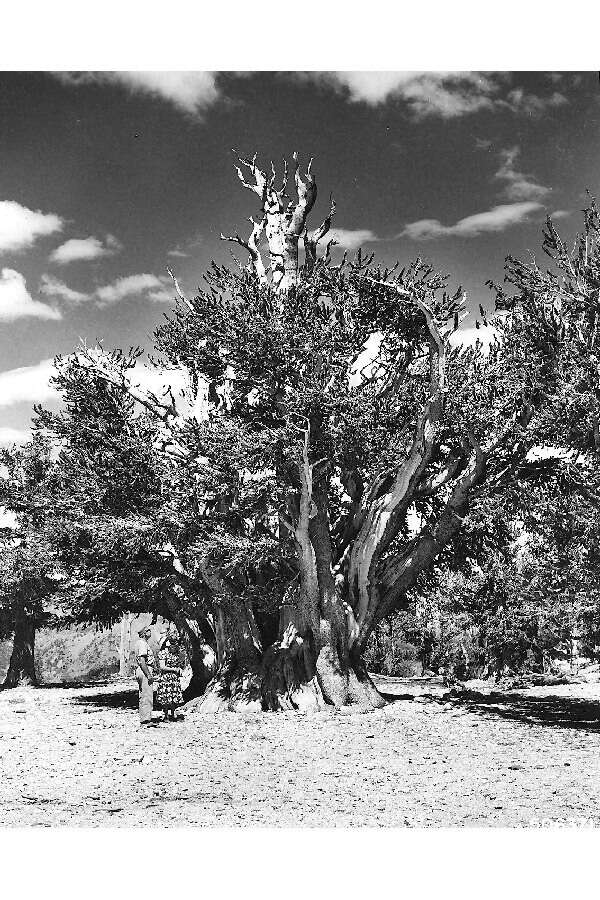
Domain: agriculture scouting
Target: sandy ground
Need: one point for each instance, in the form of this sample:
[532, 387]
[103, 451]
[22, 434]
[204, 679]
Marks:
[76, 756]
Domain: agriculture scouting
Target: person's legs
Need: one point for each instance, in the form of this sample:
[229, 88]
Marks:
[145, 697]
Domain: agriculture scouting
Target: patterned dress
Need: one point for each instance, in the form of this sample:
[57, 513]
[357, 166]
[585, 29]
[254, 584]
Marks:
[168, 693]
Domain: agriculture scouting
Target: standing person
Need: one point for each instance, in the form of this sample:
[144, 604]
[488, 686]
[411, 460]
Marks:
[146, 665]
[168, 694]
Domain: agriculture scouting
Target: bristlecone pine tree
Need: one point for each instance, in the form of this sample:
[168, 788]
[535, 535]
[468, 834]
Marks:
[323, 406]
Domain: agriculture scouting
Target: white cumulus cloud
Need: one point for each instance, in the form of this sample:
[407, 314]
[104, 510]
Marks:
[28, 384]
[189, 92]
[8, 437]
[517, 185]
[499, 218]
[520, 101]
[85, 249]
[17, 303]
[144, 285]
[53, 287]
[444, 94]
[128, 286]
[20, 227]
[163, 295]
[351, 239]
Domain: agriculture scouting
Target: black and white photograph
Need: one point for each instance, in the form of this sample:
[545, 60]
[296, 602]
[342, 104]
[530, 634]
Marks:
[299, 448]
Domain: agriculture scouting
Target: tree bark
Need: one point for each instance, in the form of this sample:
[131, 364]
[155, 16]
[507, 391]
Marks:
[236, 684]
[21, 669]
[384, 503]
[199, 642]
[400, 573]
[312, 664]
[294, 673]
[284, 222]
[201, 656]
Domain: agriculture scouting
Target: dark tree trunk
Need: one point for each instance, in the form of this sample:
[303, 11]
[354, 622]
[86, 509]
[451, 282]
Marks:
[236, 684]
[312, 664]
[298, 672]
[317, 659]
[201, 656]
[199, 642]
[202, 661]
[21, 669]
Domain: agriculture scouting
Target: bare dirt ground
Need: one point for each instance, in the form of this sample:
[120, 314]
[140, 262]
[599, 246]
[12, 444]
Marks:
[76, 756]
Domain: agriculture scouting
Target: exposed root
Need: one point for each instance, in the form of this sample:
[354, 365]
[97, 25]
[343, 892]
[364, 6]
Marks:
[15, 679]
[361, 690]
[239, 692]
[332, 679]
[288, 676]
[288, 679]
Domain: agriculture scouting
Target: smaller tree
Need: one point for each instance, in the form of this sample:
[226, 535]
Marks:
[28, 577]
[115, 534]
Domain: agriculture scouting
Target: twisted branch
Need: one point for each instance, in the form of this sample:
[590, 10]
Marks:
[251, 246]
[180, 294]
[311, 241]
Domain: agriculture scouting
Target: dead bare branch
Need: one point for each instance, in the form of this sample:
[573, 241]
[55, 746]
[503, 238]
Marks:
[180, 294]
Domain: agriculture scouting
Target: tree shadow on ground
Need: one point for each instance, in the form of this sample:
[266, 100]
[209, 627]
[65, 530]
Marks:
[549, 710]
[391, 698]
[127, 699]
[65, 685]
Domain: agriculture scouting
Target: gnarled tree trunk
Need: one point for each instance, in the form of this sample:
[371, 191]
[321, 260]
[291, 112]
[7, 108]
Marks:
[21, 669]
[200, 653]
[307, 668]
[236, 684]
[198, 638]
[312, 664]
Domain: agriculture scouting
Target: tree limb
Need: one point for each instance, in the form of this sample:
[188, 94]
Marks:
[384, 507]
[307, 194]
[180, 294]
[97, 361]
[311, 241]
[251, 246]
[260, 179]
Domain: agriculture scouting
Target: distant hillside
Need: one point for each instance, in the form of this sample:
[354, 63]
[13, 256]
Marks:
[75, 654]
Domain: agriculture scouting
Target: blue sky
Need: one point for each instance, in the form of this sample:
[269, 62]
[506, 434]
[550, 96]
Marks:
[106, 178]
